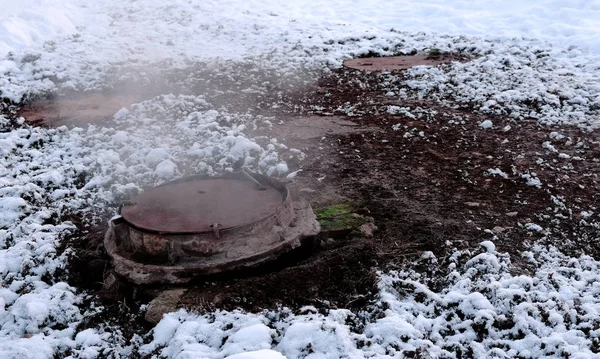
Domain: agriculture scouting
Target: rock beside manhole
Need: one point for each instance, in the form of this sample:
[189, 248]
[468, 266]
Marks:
[397, 62]
[166, 302]
[339, 220]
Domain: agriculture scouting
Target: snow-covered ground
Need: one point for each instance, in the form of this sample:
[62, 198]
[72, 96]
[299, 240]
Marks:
[541, 52]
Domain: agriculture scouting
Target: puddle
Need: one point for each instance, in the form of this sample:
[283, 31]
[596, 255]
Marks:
[81, 108]
[76, 110]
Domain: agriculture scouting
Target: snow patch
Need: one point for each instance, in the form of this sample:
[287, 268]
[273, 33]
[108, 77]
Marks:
[487, 124]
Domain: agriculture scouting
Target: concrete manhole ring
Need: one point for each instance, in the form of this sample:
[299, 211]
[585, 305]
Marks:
[198, 225]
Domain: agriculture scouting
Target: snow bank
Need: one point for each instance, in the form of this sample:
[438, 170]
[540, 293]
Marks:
[478, 308]
[259, 354]
[519, 78]
[30, 23]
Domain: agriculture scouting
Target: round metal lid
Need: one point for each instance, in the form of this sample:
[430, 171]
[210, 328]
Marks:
[394, 62]
[195, 206]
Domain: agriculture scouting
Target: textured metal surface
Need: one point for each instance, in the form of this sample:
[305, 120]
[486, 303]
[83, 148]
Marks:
[196, 206]
[393, 62]
[242, 247]
[168, 235]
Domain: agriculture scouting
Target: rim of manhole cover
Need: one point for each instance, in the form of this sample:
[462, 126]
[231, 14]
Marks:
[396, 62]
[197, 204]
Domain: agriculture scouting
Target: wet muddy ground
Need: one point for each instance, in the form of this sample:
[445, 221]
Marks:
[421, 174]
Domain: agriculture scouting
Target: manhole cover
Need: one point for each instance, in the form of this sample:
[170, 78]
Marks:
[199, 225]
[396, 62]
[196, 206]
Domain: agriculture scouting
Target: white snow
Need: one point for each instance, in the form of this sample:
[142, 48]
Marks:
[258, 354]
[39, 185]
[497, 172]
[11, 209]
[155, 156]
[489, 246]
[30, 22]
[534, 227]
[165, 170]
[487, 124]
[532, 180]
[481, 307]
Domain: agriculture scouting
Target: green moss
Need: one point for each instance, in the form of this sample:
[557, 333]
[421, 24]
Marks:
[435, 52]
[335, 210]
[338, 218]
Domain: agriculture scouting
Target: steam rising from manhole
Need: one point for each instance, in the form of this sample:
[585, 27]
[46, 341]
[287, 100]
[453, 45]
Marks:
[199, 225]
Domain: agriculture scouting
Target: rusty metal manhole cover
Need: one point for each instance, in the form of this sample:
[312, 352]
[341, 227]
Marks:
[199, 225]
[195, 206]
[397, 62]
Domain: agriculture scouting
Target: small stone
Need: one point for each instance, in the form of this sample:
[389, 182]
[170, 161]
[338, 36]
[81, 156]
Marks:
[307, 190]
[472, 204]
[217, 299]
[512, 214]
[110, 281]
[166, 302]
[367, 229]
[498, 229]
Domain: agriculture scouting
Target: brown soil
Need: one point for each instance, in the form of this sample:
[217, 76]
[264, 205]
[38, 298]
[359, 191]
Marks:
[425, 182]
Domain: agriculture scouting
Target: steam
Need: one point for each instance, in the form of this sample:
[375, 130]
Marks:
[181, 89]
